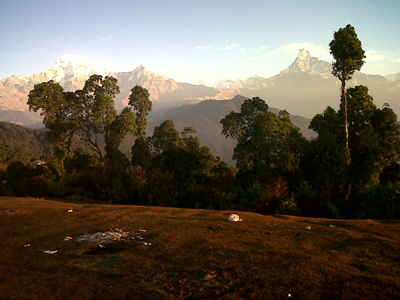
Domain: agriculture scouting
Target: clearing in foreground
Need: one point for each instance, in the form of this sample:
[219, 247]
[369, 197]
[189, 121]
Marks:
[170, 253]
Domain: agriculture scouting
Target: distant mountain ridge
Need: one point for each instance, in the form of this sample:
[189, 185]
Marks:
[304, 88]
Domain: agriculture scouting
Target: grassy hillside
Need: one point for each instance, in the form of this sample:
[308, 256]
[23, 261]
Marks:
[194, 254]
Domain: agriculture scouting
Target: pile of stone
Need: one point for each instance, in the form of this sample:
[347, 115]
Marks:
[111, 236]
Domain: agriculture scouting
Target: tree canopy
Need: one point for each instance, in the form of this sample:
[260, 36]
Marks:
[347, 53]
[88, 113]
[374, 140]
[266, 143]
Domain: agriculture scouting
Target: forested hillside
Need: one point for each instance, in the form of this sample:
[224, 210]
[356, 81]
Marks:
[27, 144]
[23, 143]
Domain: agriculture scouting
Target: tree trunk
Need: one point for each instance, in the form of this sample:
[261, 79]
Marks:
[346, 121]
[346, 129]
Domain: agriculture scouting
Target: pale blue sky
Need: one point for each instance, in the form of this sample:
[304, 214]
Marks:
[192, 40]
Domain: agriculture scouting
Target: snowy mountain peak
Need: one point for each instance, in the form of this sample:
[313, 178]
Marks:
[72, 59]
[156, 84]
[140, 67]
[72, 70]
[72, 65]
[139, 72]
[304, 54]
[305, 63]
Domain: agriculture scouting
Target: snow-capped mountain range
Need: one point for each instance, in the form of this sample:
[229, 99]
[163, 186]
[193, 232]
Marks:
[305, 88]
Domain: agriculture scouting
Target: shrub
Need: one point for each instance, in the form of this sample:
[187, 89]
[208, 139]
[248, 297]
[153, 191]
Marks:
[378, 202]
[38, 186]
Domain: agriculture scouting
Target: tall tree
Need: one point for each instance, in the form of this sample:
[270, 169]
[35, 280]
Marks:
[89, 113]
[348, 57]
[324, 163]
[374, 140]
[266, 142]
[124, 123]
[180, 153]
[97, 109]
[165, 138]
[59, 111]
[139, 100]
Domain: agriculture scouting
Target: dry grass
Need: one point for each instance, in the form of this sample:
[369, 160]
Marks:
[195, 254]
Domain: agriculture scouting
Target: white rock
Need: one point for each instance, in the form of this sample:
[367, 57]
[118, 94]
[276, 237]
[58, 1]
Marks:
[234, 218]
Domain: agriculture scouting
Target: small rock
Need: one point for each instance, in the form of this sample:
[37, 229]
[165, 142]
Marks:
[234, 218]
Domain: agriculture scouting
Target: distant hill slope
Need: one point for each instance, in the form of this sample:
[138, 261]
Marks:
[23, 118]
[32, 142]
[205, 118]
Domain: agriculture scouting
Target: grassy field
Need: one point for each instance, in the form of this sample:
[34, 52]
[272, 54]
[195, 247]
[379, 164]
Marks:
[194, 254]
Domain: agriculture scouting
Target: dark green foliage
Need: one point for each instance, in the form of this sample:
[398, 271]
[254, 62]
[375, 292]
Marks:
[88, 184]
[139, 100]
[374, 138]
[347, 53]
[268, 145]
[324, 163]
[268, 150]
[390, 174]
[180, 154]
[81, 161]
[21, 179]
[374, 143]
[55, 106]
[37, 186]
[88, 114]
[377, 202]
[312, 203]
[141, 154]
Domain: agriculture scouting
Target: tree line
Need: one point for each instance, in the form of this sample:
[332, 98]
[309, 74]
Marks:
[351, 169]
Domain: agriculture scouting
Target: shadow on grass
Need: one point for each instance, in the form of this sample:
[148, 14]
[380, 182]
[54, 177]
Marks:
[282, 217]
[107, 249]
[196, 219]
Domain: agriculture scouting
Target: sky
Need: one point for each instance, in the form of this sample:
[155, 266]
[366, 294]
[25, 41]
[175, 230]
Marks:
[191, 40]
